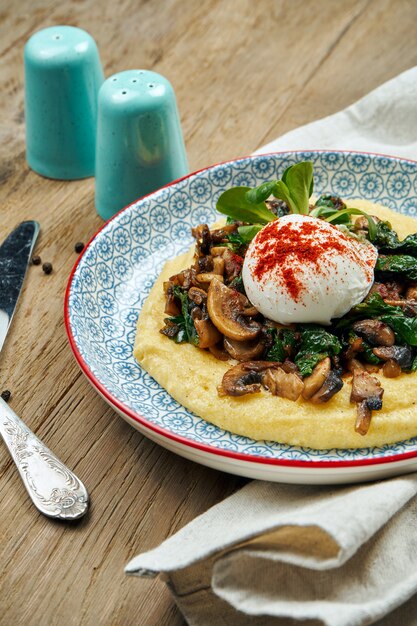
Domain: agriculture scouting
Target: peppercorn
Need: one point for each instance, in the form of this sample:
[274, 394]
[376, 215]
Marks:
[79, 247]
[47, 268]
[5, 395]
[36, 260]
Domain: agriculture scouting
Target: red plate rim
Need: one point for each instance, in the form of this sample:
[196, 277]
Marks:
[237, 456]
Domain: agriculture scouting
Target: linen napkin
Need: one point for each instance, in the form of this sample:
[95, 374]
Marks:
[280, 555]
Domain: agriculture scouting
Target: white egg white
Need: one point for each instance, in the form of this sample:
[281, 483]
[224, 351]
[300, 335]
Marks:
[330, 287]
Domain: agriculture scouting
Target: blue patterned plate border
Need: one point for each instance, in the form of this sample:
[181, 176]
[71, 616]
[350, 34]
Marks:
[118, 267]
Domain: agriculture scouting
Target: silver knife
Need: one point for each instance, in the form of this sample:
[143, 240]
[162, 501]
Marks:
[54, 489]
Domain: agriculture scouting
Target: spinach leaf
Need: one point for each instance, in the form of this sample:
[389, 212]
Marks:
[408, 245]
[385, 237]
[373, 306]
[316, 344]
[306, 362]
[285, 342]
[234, 203]
[184, 321]
[398, 263]
[414, 365]
[367, 354]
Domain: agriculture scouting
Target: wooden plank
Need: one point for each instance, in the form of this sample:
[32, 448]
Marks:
[243, 73]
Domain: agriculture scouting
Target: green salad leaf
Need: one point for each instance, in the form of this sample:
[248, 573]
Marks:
[234, 203]
[247, 204]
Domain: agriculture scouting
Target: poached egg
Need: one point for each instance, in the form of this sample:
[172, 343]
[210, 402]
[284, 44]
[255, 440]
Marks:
[301, 269]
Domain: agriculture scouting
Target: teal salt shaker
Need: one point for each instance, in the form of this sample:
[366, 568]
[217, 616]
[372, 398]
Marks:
[140, 146]
[63, 75]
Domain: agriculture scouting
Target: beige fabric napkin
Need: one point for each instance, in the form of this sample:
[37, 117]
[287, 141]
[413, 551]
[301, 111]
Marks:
[286, 555]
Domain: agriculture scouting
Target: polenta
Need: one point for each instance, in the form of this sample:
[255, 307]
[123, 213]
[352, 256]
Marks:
[192, 377]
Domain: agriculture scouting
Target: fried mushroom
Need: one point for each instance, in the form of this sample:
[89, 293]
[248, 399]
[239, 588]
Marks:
[332, 385]
[316, 379]
[244, 378]
[403, 355]
[367, 394]
[375, 332]
[226, 308]
[284, 384]
[244, 350]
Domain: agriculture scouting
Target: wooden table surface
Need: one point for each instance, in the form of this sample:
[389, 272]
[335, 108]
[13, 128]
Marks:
[244, 72]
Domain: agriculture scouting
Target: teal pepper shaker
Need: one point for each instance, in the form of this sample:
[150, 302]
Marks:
[140, 146]
[63, 75]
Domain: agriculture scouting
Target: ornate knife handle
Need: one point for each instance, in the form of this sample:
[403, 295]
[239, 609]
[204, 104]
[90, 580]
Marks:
[54, 489]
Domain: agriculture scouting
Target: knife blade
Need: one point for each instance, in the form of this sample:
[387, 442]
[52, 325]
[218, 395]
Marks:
[15, 254]
[55, 490]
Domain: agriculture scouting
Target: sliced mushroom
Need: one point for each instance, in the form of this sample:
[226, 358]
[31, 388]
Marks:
[218, 250]
[197, 295]
[353, 364]
[391, 369]
[204, 264]
[171, 305]
[402, 354]
[171, 329]
[355, 346]
[244, 378]
[367, 394]
[244, 350]
[284, 384]
[226, 308]
[185, 278]
[208, 335]
[208, 277]
[330, 387]
[219, 352]
[363, 417]
[409, 306]
[313, 382]
[375, 331]
[411, 293]
[232, 265]
[203, 237]
[219, 234]
[218, 265]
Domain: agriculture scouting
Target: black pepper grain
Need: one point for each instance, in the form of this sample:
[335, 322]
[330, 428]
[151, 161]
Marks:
[36, 260]
[79, 247]
[6, 395]
[47, 268]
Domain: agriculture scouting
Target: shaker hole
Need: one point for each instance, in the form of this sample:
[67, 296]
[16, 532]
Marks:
[151, 85]
[57, 36]
[134, 80]
[114, 79]
[124, 92]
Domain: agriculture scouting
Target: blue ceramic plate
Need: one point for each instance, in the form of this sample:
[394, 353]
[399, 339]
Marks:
[119, 266]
